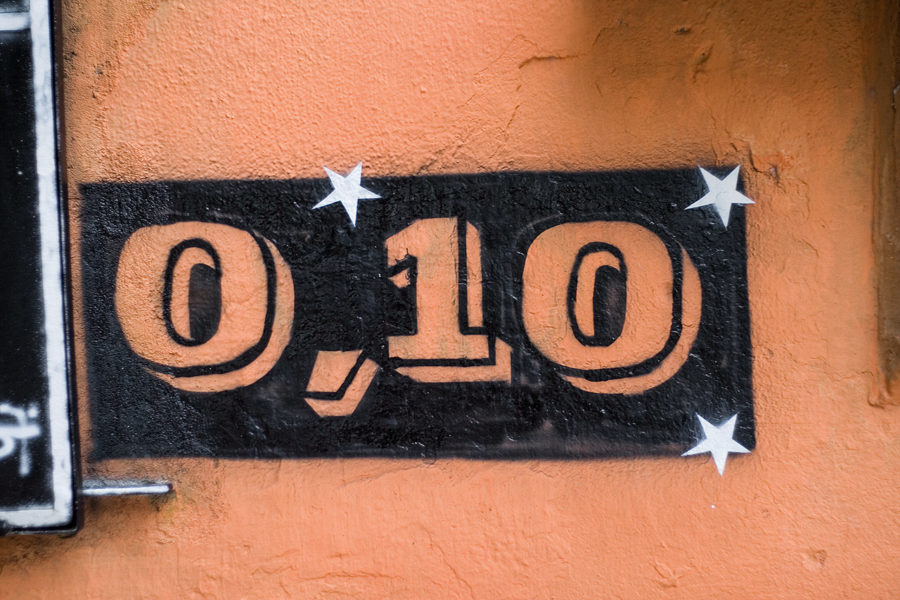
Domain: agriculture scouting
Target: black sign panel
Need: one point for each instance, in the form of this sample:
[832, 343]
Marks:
[489, 315]
[36, 447]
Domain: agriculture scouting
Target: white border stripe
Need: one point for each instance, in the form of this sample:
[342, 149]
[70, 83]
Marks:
[14, 21]
[51, 273]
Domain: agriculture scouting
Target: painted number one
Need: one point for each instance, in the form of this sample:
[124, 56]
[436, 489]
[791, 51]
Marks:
[441, 258]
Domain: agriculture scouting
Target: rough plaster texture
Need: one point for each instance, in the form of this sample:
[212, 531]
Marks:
[887, 217]
[792, 91]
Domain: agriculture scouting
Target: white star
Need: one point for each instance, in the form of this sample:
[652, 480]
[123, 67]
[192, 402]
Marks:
[718, 441]
[347, 191]
[722, 194]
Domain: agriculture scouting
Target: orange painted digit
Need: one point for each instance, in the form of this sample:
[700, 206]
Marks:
[249, 319]
[658, 325]
[434, 243]
[446, 252]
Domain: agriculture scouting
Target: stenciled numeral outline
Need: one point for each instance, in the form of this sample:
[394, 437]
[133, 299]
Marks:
[471, 295]
[525, 240]
[429, 370]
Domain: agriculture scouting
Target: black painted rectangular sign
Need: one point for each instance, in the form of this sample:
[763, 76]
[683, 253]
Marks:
[37, 479]
[491, 315]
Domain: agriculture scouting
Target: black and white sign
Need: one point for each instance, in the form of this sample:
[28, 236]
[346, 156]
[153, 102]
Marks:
[37, 479]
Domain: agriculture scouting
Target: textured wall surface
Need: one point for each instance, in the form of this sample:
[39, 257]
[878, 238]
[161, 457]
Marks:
[794, 92]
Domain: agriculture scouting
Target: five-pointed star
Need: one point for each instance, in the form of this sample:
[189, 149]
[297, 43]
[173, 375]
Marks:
[722, 194]
[718, 441]
[347, 191]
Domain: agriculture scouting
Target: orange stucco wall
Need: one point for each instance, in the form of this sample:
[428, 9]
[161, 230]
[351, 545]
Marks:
[795, 92]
